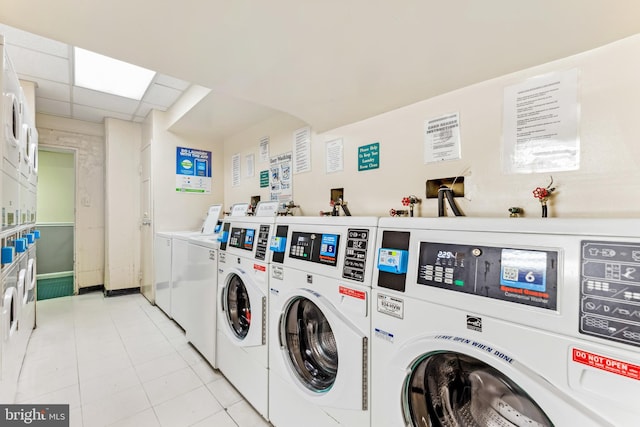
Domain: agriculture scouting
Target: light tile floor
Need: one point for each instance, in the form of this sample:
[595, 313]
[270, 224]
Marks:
[120, 361]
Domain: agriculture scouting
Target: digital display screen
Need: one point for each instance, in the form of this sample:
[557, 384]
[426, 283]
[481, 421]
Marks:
[524, 269]
[242, 238]
[315, 247]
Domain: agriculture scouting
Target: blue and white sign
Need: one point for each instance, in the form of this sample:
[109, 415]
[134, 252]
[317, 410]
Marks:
[193, 170]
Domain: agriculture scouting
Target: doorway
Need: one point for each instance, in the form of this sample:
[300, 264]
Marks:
[56, 222]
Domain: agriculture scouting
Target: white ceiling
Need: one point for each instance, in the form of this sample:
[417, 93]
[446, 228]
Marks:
[330, 62]
[49, 64]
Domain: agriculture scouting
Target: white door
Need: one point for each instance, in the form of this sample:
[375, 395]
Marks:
[146, 230]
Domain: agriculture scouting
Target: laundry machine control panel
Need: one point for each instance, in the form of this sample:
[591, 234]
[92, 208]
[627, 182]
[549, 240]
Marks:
[248, 239]
[321, 248]
[610, 291]
[522, 276]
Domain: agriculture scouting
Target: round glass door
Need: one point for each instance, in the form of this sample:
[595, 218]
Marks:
[311, 345]
[452, 389]
[238, 307]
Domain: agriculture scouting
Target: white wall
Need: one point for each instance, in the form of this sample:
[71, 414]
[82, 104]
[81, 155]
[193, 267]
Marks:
[279, 130]
[606, 185]
[122, 193]
[173, 210]
[56, 187]
[87, 139]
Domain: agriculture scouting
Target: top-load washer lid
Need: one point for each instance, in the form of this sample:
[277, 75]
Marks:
[452, 389]
[311, 345]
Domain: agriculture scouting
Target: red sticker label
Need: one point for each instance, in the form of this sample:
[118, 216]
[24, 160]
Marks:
[606, 364]
[259, 267]
[353, 293]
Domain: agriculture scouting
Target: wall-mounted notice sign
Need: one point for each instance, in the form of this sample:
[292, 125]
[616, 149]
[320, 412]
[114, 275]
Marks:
[369, 157]
[334, 155]
[235, 170]
[264, 179]
[280, 178]
[442, 138]
[540, 124]
[264, 149]
[193, 170]
[302, 150]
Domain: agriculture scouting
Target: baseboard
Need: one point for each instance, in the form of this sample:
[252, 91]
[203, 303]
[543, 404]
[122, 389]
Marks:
[88, 289]
[118, 292]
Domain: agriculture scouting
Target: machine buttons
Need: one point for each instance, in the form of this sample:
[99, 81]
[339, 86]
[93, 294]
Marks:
[610, 291]
[356, 254]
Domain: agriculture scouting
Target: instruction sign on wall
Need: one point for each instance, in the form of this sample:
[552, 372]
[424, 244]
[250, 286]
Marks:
[193, 170]
[369, 157]
[540, 124]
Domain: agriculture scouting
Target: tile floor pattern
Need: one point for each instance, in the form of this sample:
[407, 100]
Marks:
[120, 361]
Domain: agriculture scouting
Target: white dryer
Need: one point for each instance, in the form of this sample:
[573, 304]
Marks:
[11, 130]
[170, 266]
[506, 322]
[243, 283]
[320, 290]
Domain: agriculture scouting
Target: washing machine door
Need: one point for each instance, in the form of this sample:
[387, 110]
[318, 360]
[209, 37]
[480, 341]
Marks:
[325, 354]
[10, 313]
[453, 389]
[30, 280]
[244, 307]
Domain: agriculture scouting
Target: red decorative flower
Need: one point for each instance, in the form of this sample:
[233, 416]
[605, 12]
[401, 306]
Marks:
[406, 201]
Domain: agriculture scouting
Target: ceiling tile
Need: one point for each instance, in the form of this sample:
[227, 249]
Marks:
[104, 101]
[16, 37]
[53, 107]
[161, 96]
[38, 64]
[172, 82]
[91, 114]
[52, 90]
[144, 109]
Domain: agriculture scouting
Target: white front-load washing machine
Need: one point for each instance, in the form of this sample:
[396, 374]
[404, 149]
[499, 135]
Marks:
[170, 266]
[506, 322]
[320, 320]
[243, 282]
[11, 357]
[28, 297]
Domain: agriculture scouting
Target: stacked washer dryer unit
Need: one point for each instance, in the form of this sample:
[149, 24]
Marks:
[170, 266]
[320, 320]
[17, 317]
[243, 283]
[514, 322]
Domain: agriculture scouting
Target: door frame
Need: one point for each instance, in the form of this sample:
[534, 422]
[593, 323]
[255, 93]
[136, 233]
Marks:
[74, 152]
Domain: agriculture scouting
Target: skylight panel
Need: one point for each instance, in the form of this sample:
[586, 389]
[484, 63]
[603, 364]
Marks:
[104, 74]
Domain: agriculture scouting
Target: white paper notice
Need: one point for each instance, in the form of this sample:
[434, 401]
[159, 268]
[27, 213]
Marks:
[442, 138]
[540, 119]
[264, 149]
[302, 150]
[280, 179]
[235, 170]
[334, 155]
[249, 160]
